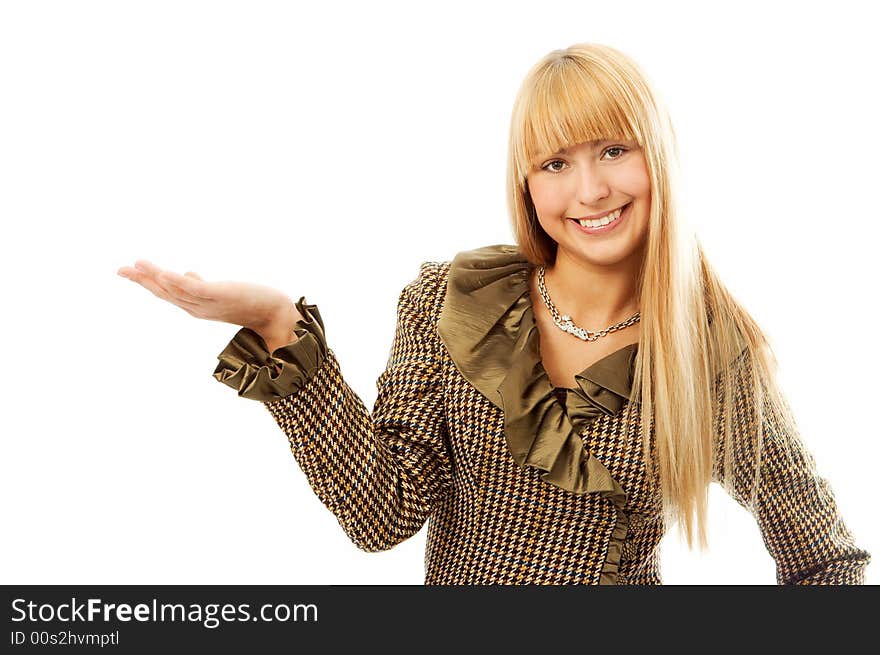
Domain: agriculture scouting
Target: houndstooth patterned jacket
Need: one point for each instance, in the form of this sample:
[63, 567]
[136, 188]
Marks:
[518, 484]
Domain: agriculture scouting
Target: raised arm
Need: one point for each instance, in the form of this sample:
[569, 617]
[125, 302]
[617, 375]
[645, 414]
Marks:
[380, 473]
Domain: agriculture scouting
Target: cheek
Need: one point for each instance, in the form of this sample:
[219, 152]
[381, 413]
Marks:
[643, 219]
[636, 179]
[546, 200]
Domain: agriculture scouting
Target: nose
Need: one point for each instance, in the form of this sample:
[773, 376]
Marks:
[592, 187]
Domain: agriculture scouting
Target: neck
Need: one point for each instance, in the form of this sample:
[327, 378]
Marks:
[595, 296]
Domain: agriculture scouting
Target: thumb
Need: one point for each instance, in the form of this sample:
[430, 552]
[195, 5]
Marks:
[193, 274]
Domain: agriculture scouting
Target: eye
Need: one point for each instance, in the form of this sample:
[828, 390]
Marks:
[546, 167]
[621, 149]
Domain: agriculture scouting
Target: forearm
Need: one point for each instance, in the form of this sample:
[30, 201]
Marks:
[380, 473]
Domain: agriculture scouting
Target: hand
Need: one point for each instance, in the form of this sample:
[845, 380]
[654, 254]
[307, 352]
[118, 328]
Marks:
[262, 309]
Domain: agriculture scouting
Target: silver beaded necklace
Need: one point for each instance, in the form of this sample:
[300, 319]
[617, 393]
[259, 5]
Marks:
[564, 322]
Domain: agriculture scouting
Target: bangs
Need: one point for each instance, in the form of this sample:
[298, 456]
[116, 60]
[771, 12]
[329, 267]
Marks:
[569, 105]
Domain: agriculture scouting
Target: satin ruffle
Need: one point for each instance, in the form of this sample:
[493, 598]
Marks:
[487, 324]
[247, 366]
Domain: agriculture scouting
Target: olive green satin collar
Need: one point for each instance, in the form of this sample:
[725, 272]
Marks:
[487, 324]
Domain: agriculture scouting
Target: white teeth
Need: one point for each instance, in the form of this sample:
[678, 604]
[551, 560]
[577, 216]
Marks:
[605, 220]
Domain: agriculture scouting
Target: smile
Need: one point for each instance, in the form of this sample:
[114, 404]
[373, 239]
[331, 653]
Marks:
[604, 224]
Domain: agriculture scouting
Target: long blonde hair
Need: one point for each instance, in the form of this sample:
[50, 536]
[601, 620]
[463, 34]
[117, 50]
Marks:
[693, 331]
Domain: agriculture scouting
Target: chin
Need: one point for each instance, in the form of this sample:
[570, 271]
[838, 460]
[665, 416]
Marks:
[606, 254]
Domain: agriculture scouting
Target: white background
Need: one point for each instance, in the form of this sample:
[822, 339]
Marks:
[327, 149]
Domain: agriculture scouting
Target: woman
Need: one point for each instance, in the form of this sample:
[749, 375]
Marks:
[544, 452]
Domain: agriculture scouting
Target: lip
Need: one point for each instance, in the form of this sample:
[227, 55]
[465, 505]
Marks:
[605, 228]
[595, 217]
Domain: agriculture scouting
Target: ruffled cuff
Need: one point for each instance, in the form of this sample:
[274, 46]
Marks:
[247, 366]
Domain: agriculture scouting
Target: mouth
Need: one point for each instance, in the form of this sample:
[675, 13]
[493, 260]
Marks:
[604, 224]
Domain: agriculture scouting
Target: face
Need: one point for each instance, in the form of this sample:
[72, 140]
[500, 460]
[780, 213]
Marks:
[590, 180]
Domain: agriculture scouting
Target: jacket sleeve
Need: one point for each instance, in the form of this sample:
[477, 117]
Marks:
[795, 508]
[380, 473]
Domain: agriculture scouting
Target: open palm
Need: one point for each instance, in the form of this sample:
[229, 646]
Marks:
[240, 303]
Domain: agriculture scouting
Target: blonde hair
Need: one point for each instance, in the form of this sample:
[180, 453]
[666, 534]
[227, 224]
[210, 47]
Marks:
[694, 334]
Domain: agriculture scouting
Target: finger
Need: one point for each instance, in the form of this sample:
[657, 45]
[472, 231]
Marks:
[170, 296]
[179, 285]
[195, 289]
[148, 267]
[176, 285]
[160, 291]
[193, 274]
